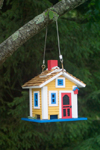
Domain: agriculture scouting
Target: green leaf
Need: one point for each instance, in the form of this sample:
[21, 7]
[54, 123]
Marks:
[51, 14]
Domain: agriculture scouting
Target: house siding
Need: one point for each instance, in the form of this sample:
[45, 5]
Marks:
[37, 111]
[54, 110]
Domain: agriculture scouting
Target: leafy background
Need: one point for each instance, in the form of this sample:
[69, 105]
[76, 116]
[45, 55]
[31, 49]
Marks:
[79, 32]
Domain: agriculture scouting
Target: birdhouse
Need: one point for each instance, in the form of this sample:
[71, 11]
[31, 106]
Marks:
[75, 90]
[53, 95]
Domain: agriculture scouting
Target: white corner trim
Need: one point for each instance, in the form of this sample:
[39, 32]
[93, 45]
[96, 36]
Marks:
[57, 86]
[30, 102]
[60, 106]
[51, 79]
[50, 98]
[77, 82]
[44, 102]
[75, 106]
[38, 99]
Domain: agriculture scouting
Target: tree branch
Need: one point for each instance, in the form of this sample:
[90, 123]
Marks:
[1, 3]
[34, 26]
[77, 20]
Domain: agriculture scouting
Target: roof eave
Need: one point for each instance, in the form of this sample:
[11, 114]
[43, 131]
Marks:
[77, 82]
[31, 87]
[74, 80]
[51, 79]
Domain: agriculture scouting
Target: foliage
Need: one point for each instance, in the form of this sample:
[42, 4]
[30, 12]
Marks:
[80, 48]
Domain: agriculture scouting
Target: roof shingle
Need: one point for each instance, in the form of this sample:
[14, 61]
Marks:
[46, 75]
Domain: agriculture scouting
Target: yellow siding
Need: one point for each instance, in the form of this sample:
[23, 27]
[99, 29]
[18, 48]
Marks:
[36, 111]
[54, 110]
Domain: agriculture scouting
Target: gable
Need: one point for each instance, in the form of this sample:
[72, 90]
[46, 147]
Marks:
[47, 76]
[68, 85]
[78, 82]
[68, 76]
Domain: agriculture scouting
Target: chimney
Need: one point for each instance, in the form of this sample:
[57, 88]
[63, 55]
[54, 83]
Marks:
[52, 63]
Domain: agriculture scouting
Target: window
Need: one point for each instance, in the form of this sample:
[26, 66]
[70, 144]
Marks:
[37, 116]
[53, 116]
[66, 100]
[36, 100]
[53, 100]
[60, 82]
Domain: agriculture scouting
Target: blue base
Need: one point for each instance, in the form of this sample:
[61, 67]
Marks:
[53, 120]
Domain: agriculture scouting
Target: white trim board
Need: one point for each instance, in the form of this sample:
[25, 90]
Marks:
[30, 102]
[75, 106]
[44, 102]
[77, 82]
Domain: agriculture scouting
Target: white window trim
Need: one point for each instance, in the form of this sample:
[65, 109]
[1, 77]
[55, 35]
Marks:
[50, 98]
[57, 86]
[38, 99]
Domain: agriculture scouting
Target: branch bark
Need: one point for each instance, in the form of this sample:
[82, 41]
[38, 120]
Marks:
[1, 3]
[34, 26]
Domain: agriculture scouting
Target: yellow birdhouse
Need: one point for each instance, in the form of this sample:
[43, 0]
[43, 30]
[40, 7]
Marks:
[53, 95]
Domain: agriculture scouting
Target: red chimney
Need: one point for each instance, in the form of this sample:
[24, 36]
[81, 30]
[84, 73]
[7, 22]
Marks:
[52, 63]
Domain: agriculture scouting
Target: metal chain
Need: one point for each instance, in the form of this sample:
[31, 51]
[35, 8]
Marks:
[60, 56]
[58, 37]
[45, 46]
[43, 66]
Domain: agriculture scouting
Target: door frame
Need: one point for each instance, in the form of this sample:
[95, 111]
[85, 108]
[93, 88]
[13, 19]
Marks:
[60, 104]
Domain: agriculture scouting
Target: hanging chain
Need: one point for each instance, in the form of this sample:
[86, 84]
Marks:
[43, 66]
[60, 56]
[58, 37]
